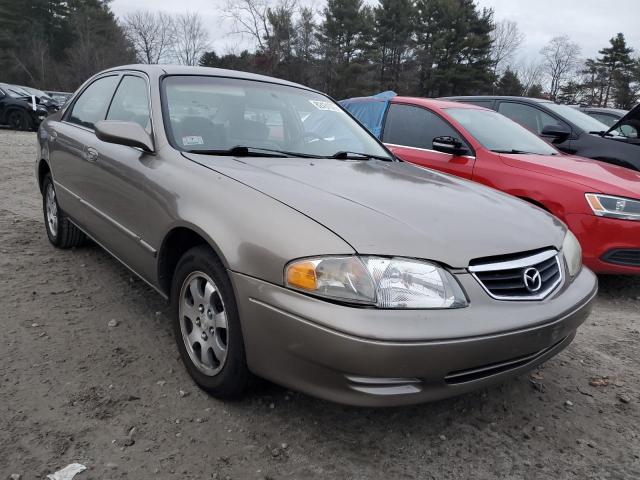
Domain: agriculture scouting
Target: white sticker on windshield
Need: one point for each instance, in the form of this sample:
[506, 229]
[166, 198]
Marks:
[328, 106]
[192, 140]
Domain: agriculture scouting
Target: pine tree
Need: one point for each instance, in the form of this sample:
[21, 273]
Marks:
[509, 84]
[616, 61]
[393, 32]
[453, 46]
[344, 39]
[535, 91]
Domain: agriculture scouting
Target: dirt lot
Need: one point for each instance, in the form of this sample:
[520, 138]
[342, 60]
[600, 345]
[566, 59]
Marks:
[116, 398]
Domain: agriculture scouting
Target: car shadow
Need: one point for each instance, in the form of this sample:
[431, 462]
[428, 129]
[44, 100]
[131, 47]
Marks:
[619, 287]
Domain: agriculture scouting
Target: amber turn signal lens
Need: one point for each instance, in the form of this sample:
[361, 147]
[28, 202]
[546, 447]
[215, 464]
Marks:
[302, 275]
[594, 202]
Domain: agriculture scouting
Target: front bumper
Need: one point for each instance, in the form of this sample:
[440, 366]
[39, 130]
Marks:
[373, 357]
[600, 236]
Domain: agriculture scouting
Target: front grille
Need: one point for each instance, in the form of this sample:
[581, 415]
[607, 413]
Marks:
[628, 257]
[529, 277]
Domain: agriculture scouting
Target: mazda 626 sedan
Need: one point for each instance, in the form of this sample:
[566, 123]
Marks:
[294, 246]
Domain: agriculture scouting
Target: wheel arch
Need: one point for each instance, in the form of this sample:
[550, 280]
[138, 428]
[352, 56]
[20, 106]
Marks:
[178, 240]
[43, 169]
[536, 203]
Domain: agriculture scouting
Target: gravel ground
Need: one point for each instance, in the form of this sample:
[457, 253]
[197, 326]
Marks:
[89, 373]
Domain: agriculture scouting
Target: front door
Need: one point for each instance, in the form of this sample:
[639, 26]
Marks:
[120, 193]
[409, 131]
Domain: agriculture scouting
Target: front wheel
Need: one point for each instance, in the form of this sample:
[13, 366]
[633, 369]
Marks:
[206, 324]
[20, 120]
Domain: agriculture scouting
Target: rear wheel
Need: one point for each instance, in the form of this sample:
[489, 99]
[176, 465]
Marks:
[60, 231]
[206, 324]
[19, 120]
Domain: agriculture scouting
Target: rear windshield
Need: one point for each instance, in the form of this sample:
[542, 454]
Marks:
[213, 113]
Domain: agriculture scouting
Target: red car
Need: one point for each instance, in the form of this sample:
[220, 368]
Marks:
[599, 202]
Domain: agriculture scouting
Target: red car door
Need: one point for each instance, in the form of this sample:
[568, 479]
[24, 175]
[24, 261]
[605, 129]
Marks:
[409, 131]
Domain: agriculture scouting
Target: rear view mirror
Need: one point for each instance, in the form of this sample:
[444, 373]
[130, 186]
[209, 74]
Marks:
[130, 134]
[449, 145]
[557, 133]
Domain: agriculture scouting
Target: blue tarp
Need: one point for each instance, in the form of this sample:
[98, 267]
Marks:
[369, 110]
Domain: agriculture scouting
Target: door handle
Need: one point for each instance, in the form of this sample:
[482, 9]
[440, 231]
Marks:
[92, 155]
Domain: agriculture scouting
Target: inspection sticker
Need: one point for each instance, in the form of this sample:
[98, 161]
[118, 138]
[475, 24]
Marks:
[192, 140]
[320, 105]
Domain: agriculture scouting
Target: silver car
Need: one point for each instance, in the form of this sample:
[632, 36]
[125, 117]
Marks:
[292, 245]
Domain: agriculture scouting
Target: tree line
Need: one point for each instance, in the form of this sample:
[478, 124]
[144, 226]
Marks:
[58, 44]
[346, 48]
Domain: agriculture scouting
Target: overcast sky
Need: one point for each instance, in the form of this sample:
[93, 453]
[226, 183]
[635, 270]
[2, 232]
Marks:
[590, 23]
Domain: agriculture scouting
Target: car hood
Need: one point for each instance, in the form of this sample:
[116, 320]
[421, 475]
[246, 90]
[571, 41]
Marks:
[633, 114]
[397, 209]
[594, 175]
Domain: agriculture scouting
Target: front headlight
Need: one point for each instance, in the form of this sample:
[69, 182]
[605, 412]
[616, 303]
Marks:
[572, 253]
[376, 281]
[614, 207]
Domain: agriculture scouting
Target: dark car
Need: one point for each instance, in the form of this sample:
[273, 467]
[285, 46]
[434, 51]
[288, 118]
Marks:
[19, 109]
[43, 98]
[60, 97]
[608, 116]
[569, 129]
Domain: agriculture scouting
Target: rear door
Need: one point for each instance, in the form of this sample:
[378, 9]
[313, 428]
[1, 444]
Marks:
[71, 166]
[409, 131]
[535, 119]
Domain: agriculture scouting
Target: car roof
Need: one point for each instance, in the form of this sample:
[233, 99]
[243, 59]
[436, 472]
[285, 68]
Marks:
[617, 111]
[434, 103]
[497, 97]
[204, 71]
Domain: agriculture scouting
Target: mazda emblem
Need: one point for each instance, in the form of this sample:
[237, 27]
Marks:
[532, 279]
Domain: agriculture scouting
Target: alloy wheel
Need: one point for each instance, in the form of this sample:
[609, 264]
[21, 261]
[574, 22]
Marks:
[203, 323]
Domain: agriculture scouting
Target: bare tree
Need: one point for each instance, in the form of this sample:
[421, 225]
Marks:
[506, 38]
[529, 74]
[560, 60]
[251, 18]
[191, 38]
[151, 33]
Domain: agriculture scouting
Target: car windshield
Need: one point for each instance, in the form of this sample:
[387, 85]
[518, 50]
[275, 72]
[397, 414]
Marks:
[498, 133]
[578, 118]
[17, 92]
[217, 114]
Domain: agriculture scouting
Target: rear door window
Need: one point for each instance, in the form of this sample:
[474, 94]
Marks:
[92, 104]
[131, 102]
[412, 126]
[528, 116]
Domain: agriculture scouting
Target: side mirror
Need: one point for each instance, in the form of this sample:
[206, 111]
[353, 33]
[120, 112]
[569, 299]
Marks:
[449, 145]
[557, 133]
[130, 134]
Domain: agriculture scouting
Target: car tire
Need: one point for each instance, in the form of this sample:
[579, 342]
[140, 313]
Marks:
[60, 231]
[20, 120]
[206, 324]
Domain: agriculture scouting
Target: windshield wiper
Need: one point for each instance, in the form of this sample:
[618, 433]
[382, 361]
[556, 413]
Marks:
[521, 152]
[242, 151]
[603, 133]
[346, 155]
